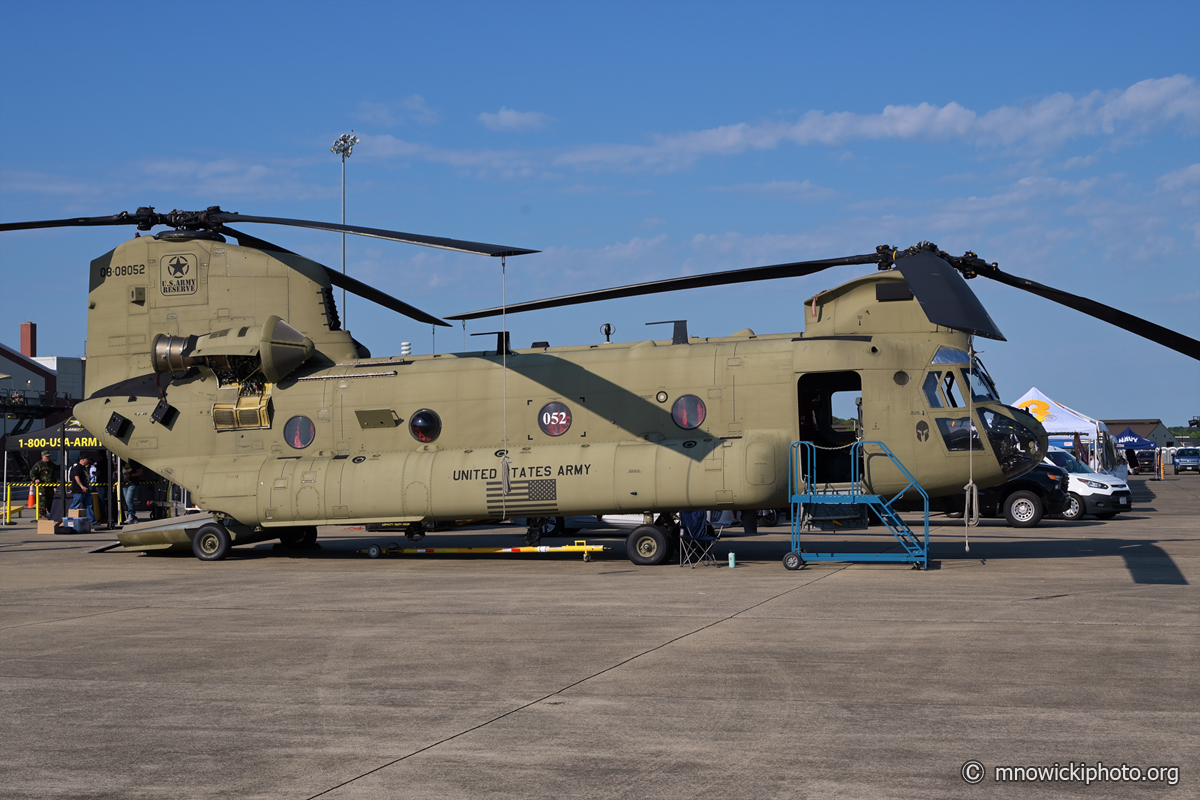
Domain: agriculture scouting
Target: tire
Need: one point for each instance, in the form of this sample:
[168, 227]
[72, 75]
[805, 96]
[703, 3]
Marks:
[1106, 515]
[553, 526]
[1075, 509]
[954, 513]
[211, 542]
[646, 546]
[1023, 509]
[793, 561]
[374, 551]
[768, 517]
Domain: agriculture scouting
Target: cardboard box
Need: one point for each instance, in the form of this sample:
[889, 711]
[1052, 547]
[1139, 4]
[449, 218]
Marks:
[48, 526]
[77, 513]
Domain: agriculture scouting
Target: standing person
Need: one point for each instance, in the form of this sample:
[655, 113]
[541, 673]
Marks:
[100, 481]
[81, 488]
[44, 476]
[131, 473]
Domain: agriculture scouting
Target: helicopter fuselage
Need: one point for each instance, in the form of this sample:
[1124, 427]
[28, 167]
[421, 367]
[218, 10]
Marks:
[539, 432]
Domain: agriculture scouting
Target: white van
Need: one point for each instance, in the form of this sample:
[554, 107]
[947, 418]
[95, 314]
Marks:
[1096, 493]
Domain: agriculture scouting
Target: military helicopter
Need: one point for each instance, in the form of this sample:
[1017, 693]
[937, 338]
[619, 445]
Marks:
[224, 368]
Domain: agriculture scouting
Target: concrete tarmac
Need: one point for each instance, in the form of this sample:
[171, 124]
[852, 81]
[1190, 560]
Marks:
[322, 673]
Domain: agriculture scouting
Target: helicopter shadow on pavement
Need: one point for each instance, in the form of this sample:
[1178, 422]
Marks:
[1147, 562]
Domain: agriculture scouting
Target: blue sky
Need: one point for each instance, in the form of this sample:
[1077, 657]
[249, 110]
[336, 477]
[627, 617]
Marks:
[636, 141]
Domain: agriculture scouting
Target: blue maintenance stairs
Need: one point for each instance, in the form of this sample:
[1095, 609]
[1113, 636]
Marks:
[803, 487]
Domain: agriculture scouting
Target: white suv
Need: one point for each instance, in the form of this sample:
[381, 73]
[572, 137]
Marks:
[1099, 494]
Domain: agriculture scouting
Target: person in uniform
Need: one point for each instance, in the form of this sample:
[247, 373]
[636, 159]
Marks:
[44, 476]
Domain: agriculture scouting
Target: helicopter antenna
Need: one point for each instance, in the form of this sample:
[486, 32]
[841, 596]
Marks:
[971, 507]
[505, 485]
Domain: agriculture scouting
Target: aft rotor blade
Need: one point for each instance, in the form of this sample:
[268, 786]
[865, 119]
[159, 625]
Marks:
[386, 300]
[344, 281]
[124, 218]
[480, 248]
[1136, 325]
[771, 272]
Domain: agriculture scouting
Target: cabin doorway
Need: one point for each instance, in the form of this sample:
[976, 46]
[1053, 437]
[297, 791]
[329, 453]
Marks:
[830, 416]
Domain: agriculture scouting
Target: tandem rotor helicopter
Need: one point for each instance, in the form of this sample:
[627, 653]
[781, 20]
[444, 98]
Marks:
[224, 368]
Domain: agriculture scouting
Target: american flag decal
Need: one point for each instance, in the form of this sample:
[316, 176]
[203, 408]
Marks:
[533, 498]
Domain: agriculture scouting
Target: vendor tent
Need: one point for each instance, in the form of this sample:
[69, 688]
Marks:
[1057, 419]
[1061, 421]
[1128, 440]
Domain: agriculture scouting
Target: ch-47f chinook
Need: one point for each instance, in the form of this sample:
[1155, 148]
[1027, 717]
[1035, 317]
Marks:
[224, 368]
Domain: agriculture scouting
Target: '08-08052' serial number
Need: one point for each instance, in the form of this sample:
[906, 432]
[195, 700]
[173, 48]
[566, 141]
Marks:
[127, 269]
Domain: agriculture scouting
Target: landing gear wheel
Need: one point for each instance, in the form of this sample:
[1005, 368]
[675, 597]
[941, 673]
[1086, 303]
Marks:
[1023, 509]
[1106, 515]
[211, 542]
[646, 546]
[793, 561]
[1075, 509]
[374, 551]
[768, 517]
[553, 526]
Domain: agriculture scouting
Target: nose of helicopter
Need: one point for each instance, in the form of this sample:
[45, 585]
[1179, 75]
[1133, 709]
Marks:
[1018, 440]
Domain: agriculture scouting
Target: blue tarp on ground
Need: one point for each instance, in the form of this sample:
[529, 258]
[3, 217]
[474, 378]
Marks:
[1128, 440]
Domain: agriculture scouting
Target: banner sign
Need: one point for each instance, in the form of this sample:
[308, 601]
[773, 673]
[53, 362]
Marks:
[70, 435]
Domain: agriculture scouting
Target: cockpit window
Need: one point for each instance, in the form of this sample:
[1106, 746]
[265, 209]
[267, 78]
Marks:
[959, 434]
[951, 355]
[981, 386]
[930, 388]
[951, 392]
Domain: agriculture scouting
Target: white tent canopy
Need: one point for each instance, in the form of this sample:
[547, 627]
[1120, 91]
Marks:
[1060, 420]
[1057, 419]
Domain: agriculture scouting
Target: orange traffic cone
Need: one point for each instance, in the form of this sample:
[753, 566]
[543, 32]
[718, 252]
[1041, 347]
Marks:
[32, 498]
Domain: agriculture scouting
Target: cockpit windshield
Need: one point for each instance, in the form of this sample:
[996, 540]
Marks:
[1016, 447]
[1062, 458]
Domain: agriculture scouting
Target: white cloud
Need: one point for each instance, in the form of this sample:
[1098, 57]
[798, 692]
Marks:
[802, 191]
[514, 121]
[397, 112]
[1146, 106]
[1180, 179]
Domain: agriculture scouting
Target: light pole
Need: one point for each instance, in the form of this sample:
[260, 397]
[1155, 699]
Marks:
[343, 147]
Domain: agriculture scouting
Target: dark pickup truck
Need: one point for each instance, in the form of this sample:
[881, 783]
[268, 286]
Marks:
[1024, 501]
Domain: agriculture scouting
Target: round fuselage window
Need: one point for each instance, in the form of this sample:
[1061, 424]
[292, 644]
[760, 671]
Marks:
[689, 412]
[425, 425]
[299, 432]
[554, 419]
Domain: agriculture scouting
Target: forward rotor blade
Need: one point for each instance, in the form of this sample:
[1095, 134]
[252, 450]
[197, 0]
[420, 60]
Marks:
[343, 281]
[944, 295]
[1136, 325]
[480, 248]
[771, 272]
